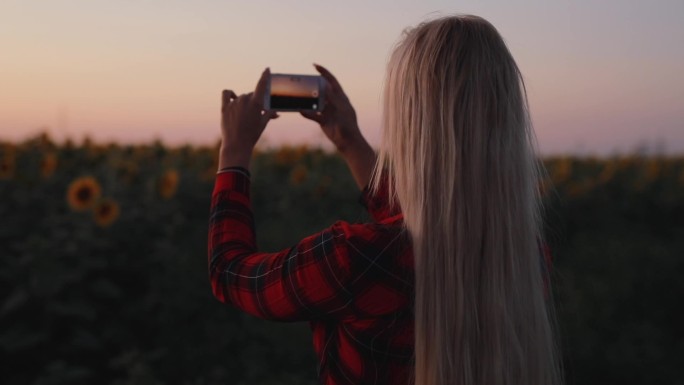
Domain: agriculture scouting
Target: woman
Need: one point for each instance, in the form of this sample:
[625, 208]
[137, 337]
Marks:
[446, 285]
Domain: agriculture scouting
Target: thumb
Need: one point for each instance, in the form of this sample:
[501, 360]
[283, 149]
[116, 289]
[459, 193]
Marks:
[268, 115]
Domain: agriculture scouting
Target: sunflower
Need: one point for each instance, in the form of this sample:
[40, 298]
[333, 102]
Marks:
[105, 212]
[562, 170]
[6, 167]
[168, 184]
[48, 164]
[209, 174]
[127, 171]
[83, 193]
[608, 172]
[323, 186]
[652, 170]
[288, 155]
[298, 175]
[578, 189]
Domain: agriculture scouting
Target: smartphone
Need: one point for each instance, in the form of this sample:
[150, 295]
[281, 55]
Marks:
[289, 92]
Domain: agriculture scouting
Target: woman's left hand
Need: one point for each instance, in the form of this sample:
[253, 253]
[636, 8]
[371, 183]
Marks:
[243, 119]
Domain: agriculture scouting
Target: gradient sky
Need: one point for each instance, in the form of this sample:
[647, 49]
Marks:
[602, 76]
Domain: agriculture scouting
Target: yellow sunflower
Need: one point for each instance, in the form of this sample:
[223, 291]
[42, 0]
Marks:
[323, 186]
[287, 155]
[652, 170]
[578, 189]
[168, 184]
[209, 174]
[127, 171]
[83, 193]
[48, 164]
[105, 212]
[610, 167]
[6, 167]
[562, 170]
[298, 175]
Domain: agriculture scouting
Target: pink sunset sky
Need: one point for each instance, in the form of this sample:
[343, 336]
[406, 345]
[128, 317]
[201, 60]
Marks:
[602, 77]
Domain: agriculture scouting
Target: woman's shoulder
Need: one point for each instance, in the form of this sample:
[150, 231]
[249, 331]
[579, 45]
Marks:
[392, 224]
[386, 236]
[380, 253]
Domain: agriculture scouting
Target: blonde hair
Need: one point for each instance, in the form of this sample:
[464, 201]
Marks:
[459, 151]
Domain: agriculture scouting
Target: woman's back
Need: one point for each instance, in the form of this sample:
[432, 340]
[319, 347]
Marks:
[374, 344]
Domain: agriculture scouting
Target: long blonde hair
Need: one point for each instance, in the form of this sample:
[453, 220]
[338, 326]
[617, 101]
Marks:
[459, 150]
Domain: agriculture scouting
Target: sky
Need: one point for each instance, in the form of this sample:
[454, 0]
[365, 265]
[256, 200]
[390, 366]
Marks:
[603, 77]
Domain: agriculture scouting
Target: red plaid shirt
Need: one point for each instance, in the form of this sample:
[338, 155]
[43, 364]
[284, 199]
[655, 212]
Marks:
[352, 282]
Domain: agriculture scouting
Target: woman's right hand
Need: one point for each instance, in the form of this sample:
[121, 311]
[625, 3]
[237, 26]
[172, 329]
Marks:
[338, 121]
[338, 118]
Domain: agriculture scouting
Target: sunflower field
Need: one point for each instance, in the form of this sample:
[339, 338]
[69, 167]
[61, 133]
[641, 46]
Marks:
[103, 265]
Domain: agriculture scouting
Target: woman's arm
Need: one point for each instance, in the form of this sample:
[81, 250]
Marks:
[288, 285]
[335, 273]
[345, 271]
[338, 122]
[360, 159]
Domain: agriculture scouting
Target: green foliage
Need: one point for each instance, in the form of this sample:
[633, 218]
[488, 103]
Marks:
[128, 301]
[617, 230]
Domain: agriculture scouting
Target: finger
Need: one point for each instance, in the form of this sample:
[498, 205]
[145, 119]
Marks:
[313, 115]
[333, 91]
[227, 97]
[260, 89]
[334, 101]
[268, 115]
[329, 77]
[229, 94]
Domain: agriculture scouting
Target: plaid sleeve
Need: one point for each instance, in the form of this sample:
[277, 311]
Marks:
[378, 204]
[314, 279]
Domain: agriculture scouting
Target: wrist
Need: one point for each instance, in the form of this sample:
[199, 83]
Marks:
[353, 146]
[361, 158]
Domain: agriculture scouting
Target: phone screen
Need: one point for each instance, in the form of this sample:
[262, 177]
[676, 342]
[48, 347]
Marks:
[295, 92]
